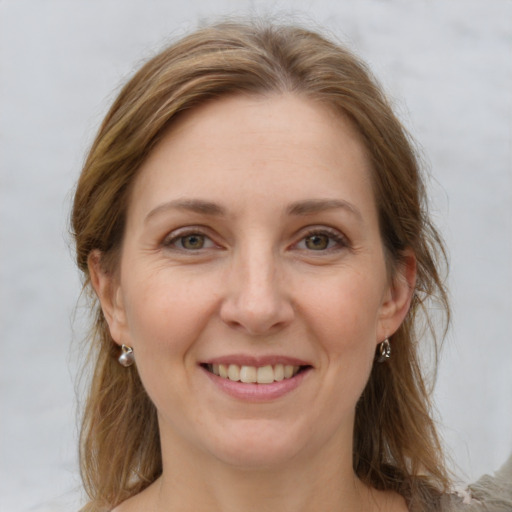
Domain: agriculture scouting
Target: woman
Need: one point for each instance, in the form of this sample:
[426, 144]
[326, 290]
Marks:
[252, 219]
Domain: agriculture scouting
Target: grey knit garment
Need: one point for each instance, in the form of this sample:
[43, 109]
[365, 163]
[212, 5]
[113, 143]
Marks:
[489, 494]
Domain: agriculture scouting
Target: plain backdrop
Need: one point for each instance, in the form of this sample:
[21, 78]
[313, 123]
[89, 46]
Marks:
[446, 64]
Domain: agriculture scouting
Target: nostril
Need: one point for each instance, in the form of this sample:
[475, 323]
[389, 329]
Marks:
[256, 309]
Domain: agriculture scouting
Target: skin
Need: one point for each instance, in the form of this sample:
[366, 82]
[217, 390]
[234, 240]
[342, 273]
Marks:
[275, 268]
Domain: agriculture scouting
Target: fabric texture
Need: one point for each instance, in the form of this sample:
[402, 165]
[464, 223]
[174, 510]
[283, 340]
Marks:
[489, 494]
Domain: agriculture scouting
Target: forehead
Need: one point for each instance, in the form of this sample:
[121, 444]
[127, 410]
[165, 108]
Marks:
[258, 145]
[256, 118]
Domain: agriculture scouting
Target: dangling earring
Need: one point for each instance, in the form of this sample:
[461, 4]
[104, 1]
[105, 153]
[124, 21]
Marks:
[126, 358]
[383, 351]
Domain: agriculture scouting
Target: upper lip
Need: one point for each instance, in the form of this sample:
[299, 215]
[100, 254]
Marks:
[250, 360]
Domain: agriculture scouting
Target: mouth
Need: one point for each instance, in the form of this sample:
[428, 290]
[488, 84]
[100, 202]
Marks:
[266, 374]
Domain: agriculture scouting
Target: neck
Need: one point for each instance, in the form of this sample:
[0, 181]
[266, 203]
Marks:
[321, 482]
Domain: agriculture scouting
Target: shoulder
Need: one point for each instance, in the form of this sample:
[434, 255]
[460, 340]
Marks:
[489, 494]
[141, 501]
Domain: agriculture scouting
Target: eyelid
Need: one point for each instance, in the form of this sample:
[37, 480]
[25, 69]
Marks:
[174, 236]
[340, 239]
[342, 242]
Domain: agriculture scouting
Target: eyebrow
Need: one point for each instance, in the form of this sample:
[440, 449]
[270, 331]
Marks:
[191, 205]
[298, 208]
[312, 206]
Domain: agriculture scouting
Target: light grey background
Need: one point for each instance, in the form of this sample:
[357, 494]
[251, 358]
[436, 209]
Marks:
[447, 64]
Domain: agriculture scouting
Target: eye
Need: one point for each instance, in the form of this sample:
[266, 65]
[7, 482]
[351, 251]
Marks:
[191, 241]
[318, 242]
[322, 240]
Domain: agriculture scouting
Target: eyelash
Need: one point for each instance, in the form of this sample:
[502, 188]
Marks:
[339, 240]
[176, 237]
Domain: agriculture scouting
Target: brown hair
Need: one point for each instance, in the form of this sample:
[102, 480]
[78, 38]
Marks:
[395, 442]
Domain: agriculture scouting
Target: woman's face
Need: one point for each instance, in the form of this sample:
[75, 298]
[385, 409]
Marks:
[252, 251]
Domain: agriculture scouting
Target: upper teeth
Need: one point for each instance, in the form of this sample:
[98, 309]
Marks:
[254, 374]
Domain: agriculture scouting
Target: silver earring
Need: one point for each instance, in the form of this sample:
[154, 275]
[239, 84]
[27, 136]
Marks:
[126, 358]
[384, 351]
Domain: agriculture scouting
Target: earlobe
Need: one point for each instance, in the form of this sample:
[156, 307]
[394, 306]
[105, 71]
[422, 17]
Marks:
[108, 293]
[399, 296]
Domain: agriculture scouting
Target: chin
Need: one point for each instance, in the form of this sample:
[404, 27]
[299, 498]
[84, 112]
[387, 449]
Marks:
[257, 448]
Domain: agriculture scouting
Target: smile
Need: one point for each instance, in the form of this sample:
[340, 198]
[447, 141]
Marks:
[254, 374]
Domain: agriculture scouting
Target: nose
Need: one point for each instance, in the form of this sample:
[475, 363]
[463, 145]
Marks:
[256, 299]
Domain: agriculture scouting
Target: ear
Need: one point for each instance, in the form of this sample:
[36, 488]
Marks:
[398, 297]
[108, 291]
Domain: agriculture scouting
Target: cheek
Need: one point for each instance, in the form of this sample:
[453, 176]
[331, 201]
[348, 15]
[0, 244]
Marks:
[165, 318]
[345, 313]
[344, 320]
[165, 314]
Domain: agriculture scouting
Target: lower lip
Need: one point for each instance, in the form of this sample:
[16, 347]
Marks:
[257, 392]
